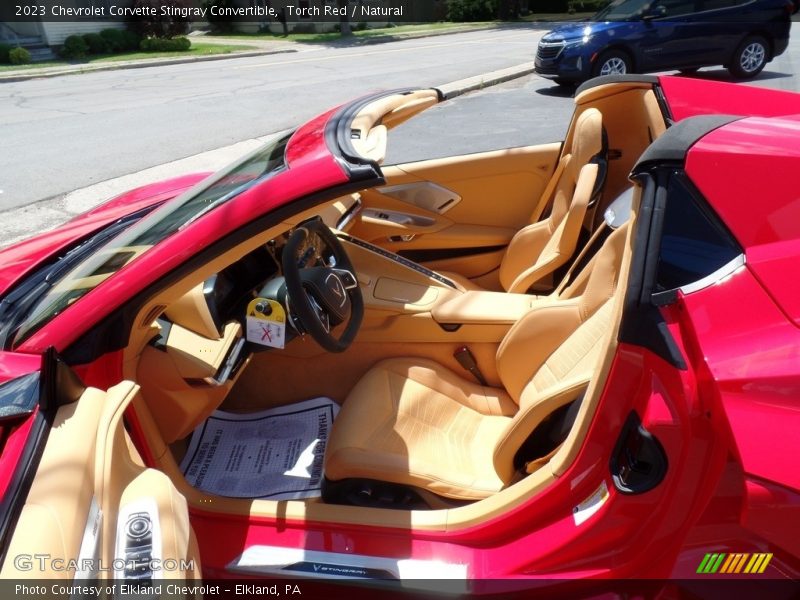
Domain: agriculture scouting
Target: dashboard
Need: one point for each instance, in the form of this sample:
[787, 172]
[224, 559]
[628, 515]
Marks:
[224, 297]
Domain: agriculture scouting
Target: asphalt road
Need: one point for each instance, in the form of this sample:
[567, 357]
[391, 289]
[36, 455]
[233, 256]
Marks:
[532, 110]
[68, 132]
[521, 112]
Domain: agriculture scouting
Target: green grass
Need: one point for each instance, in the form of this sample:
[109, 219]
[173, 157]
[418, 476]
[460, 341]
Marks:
[200, 49]
[196, 50]
[364, 34]
[37, 65]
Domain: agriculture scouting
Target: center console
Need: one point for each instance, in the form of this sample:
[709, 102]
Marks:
[405, 302]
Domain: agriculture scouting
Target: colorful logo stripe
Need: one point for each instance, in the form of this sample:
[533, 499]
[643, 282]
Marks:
[734, 563]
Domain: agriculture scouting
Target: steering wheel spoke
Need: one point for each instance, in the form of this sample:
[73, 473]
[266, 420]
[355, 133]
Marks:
[348, 278]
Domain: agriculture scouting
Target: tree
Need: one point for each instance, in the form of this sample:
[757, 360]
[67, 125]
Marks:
[344, 19]
[508, 9]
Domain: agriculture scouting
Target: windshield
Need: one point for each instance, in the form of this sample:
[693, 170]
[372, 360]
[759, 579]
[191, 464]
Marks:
[63, 290]
[622, 10]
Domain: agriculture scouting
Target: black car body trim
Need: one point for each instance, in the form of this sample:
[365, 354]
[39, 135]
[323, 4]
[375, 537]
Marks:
[610, 79]
[673, 144]
[642, 322]
[338, 137]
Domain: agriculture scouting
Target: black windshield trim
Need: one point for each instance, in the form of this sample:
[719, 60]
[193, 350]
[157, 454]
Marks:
[16, 302]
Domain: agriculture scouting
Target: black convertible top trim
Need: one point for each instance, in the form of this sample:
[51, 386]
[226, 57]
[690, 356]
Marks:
[339, 141]
[607, 79]
[673, 145]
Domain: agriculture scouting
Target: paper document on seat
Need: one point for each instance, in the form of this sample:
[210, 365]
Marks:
[274, 454]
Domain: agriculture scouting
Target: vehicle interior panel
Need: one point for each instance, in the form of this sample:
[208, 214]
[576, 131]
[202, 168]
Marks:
[119, 485]
[561, 340]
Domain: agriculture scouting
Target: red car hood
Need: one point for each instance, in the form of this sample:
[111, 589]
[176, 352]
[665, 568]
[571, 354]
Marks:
[24, 257]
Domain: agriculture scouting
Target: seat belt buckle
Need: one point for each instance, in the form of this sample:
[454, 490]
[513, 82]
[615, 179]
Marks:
[468, 363]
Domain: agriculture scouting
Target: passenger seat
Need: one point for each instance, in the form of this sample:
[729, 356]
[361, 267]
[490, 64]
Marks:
[411, 422]
[539, 249]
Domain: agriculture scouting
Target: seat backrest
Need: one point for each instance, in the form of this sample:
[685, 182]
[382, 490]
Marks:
[547, 358]
[540, 248]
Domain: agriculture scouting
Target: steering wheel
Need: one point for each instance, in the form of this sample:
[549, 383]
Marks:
[322, 296]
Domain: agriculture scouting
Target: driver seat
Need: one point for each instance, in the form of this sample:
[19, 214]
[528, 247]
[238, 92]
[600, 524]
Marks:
[415, 423]
[540, 248]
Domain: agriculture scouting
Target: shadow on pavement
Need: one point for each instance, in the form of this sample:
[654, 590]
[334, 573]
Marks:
[558, 91]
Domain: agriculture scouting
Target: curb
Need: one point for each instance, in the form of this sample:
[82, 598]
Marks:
[154, 62]
[470, 84]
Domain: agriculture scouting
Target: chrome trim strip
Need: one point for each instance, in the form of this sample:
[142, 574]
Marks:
[715, 277]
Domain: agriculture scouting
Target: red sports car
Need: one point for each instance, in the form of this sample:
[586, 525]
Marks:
[512, 368]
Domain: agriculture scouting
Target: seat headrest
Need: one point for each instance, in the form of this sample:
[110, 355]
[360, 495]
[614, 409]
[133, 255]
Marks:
[587, 140]
[619, 211]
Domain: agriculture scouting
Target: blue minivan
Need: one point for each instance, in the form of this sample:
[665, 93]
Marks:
[637, 36]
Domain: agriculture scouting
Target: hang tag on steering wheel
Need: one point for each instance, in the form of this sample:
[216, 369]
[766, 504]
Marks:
[266, 323]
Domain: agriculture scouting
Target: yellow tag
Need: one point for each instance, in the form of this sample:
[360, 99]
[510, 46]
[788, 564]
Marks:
[266, 327]
[276, 315]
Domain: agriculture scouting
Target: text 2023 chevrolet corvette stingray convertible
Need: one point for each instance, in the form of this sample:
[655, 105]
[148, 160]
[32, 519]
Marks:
[574, 360]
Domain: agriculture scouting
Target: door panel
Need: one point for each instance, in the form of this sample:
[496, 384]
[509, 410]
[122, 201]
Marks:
[88, 476]
[466, 202]
[752, 361]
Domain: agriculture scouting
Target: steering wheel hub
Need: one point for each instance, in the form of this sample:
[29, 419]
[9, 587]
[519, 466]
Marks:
[329, 292]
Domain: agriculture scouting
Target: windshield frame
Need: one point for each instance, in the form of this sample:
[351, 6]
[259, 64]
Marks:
[107, 260]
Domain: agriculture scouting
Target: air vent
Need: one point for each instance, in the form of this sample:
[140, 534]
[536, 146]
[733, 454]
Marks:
[152, 315]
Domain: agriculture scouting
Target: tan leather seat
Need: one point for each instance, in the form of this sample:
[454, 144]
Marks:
[413, 422]
[542, 247]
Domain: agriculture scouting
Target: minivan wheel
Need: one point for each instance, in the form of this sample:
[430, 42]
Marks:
[613, 62]
[750, 57]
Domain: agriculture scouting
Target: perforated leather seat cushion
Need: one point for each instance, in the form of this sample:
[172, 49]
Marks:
[413, 422]
[422, 425]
